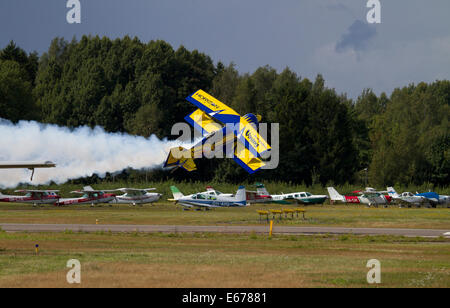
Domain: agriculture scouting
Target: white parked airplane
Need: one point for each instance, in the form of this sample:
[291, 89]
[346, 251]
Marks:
[370, 197]
[408, 198]
[209, 200]
[136, 196]
[26, 165]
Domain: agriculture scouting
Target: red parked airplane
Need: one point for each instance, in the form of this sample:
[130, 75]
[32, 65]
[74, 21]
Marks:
[33, 196]
[90, 196]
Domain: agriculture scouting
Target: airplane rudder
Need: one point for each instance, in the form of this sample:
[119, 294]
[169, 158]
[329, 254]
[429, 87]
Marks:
[176, 192]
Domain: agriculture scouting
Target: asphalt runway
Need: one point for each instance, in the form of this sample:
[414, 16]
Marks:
[263, 229]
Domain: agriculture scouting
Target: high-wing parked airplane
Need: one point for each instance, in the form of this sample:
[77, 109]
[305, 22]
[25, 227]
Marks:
[407, 198]
[33, 196]
[370, 197]
[90, 196]
[136, 196]
[209, 200]
[223, 127]
[26, 165]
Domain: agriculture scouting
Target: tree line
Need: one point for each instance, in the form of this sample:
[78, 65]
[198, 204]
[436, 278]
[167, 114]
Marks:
[125, 85]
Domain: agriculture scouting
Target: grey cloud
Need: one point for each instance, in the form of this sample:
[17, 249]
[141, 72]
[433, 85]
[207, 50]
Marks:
[357, 37]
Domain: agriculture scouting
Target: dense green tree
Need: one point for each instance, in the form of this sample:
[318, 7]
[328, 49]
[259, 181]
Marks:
[16, 101]
[128, 86]
[410, 138]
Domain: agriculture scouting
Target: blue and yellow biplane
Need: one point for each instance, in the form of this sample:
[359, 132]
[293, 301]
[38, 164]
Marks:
[238, 135]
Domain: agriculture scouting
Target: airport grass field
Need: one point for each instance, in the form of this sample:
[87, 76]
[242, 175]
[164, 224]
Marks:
[222, 260]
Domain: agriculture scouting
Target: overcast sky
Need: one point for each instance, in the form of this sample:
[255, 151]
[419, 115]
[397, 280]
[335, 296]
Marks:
[331, 37]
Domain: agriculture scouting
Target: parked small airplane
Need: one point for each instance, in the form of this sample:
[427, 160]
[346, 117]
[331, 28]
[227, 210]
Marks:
[370, 197]
[301, 197]
[211, 191]
[33, 196]
[297, 197]
[435, 199]
[90, 196]
[136, 196]
[408, 198]
[261, 195]
[26, 165]
[209, 199]
[222, 127]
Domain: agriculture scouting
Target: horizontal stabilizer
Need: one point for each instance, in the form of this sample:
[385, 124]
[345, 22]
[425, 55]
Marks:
[247, 159]
[185, 163]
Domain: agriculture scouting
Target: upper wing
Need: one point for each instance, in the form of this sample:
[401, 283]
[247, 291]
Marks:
[213, 107]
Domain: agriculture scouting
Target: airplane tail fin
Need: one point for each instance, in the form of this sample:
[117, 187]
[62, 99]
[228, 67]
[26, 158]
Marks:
[176, 193]
[392, 193]
[176, 158]
[261, 190]
[334, 195]
[241, 196]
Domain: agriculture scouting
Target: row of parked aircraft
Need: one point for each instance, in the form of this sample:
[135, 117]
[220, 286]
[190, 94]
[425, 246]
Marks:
[371, 197]
[214, 198]
[89, 196]
[208, 199]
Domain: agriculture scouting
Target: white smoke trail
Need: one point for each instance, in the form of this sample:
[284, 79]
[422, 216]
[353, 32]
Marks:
[77, 153]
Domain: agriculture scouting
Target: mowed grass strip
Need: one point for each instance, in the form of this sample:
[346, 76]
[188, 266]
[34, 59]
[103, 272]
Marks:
[215, 260]
[168, 214]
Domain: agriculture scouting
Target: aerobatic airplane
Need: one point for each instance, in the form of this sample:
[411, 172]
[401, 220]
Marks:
[90, 196]
[370, 197]
[208, 199]
[26, 165]
[136, 196]
[33, 196]
[222, 127]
